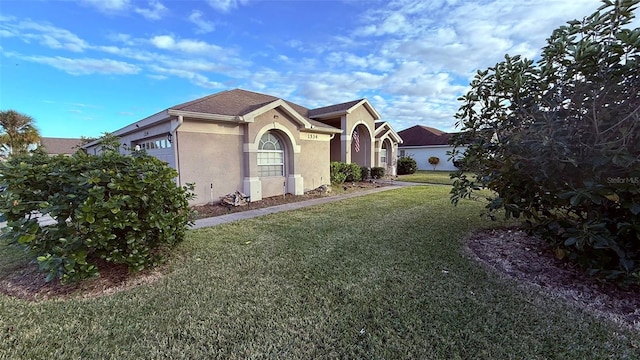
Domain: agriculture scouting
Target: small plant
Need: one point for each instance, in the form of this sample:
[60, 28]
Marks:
[434, 161]
[377, 172]
[407, 165]
[365, 173]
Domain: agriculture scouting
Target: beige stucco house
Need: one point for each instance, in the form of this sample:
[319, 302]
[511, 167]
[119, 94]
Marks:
[260, 144]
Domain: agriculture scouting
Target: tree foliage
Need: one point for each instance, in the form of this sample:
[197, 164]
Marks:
[558, 140]
[434, 161]
[18, 132]
[119, 208]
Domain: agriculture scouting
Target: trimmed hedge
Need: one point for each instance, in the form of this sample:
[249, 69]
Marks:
[343, 172]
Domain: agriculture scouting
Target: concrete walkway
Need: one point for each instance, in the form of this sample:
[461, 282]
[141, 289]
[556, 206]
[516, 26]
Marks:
[222, 219]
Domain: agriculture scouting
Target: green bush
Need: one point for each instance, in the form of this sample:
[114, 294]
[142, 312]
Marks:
[337, 174]
[377, 172]
[407, 165]
[365, 173]
[122, 209]
[341, 172]
[558, 142]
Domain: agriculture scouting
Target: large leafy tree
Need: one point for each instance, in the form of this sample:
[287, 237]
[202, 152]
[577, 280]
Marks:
[18, 132]
[558, 140]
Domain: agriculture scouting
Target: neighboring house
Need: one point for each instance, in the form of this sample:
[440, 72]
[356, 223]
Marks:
[423, 142]
[259, 144]
[57, 146]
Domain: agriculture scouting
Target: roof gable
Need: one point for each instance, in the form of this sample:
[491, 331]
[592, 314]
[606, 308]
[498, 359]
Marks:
[342, 109]
[383, 128]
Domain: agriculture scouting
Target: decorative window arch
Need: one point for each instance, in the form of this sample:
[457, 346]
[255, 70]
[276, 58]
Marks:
[270, 155]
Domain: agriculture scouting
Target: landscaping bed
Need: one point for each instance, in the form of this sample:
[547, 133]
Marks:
[212, 210]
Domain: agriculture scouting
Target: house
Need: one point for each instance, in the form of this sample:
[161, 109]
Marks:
[422, 142]
[58, 146]
[259, 144]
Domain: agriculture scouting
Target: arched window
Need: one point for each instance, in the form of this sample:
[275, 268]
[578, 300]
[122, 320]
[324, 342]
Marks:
[270, 156]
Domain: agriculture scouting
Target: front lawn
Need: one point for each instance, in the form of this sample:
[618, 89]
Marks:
[427, 177]
[382, 276]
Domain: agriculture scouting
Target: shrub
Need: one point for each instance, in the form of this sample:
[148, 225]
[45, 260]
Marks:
[337, 174]
[407, 165]
[341, 172]
[377, 172]
[122, 209]
[434, 161]
[558, 142]
[365, 173]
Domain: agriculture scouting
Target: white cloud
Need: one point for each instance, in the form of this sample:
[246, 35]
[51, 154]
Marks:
[108, 6]
[225, 6]
[85, 66]
[167, 42]
[155, 11]
[47, 35]
[202, 26]
[194, 77]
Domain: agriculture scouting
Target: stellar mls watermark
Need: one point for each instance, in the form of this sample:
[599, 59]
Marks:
[623, 180]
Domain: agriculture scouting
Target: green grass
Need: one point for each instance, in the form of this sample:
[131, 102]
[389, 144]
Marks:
[428, 177]
[376, 277]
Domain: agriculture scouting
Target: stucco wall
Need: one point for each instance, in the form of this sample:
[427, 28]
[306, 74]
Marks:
[272, 186]
[314, 161]
[422, 154]
[210, 160]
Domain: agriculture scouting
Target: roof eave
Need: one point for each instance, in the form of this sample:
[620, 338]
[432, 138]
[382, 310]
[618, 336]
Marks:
[207, 116]
[136, 126]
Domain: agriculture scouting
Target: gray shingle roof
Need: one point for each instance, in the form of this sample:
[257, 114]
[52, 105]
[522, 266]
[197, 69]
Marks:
[333, 108]
[239, 102]
[56, 146]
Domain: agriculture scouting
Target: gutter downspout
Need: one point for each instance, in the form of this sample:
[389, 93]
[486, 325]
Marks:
[176, 154]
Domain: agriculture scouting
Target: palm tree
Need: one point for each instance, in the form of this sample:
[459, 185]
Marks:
[18, 132]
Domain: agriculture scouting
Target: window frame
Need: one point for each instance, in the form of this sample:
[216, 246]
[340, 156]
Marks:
[271, 161]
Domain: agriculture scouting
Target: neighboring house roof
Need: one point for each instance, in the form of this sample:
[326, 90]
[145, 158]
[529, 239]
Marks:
[419, 135]
[56, 146]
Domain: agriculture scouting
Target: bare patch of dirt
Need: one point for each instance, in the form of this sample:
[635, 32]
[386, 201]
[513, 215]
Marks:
[527, 259]
[28, 283]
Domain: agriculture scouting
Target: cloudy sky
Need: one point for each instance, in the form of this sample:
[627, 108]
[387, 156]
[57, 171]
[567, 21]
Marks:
[81, 68]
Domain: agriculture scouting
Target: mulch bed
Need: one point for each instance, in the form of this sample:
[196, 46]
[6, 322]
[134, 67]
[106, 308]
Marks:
[516, 255]
[211, 210]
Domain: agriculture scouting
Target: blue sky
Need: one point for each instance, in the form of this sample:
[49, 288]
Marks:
[81, 68]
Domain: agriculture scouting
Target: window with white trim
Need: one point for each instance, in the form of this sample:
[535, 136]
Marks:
[383, 154]
[270, 156]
